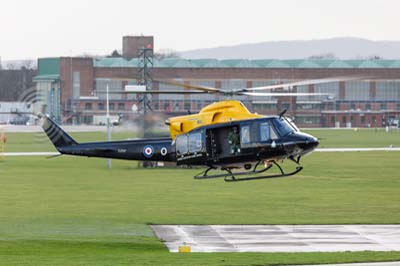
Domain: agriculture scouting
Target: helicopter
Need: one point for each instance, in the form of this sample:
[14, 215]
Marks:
[224, 135]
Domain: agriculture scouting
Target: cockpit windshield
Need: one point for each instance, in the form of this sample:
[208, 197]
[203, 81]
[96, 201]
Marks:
[290, 121]
[282, 126]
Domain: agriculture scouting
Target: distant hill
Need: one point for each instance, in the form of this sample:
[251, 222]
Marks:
[342, 48]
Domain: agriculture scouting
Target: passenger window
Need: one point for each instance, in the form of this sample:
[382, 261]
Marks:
[264, 132]
[195, 144]
[181, 144]
[245, 135]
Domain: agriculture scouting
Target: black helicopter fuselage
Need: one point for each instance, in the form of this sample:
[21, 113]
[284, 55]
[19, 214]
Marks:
[262, 139]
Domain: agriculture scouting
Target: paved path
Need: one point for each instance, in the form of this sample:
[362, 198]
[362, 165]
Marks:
[355, 149]
[280, 238]
[29, 153]
[32, 129]
[394, 263]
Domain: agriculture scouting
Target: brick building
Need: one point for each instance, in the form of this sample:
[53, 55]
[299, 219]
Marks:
[75, 87]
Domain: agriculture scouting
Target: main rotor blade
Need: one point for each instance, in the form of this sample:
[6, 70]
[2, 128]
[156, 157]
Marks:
[284, 94]
[154, 92]
[178, 84]
[306, 82]
[191, 86]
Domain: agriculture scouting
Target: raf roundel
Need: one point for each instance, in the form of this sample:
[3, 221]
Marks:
[148, 151]
[164, 151]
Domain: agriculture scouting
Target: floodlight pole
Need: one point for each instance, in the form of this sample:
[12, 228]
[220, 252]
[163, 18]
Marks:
[108, 126]
[145, 64]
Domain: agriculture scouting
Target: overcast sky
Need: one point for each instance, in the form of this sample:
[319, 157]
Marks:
[31, 29]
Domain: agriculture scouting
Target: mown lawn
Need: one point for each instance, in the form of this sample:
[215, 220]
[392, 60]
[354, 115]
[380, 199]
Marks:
[357, 138]
[73, 211]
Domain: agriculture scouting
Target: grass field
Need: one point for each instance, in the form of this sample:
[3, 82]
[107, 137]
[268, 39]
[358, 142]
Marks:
[73, 211]
[345, 138]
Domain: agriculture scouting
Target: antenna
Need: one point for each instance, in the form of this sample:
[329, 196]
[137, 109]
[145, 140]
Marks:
[282, 113]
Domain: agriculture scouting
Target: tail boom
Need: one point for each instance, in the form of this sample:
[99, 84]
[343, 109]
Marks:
[154, 149]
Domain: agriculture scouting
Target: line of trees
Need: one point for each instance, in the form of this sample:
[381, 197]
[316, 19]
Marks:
[14, 79]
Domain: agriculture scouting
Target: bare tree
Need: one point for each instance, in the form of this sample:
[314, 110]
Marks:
[11, 65]
[323, 56]
[115, 54]
[166, 53]
[14, 81]
[28, 64]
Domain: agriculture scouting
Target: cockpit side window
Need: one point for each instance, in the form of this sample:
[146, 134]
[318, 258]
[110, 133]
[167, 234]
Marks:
[264, 132]
[182, 144]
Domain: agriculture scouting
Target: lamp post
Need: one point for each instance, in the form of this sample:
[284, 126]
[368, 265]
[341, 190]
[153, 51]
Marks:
[108, 125]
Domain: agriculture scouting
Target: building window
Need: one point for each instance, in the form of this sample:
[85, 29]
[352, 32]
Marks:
[88, 106]
[332, 120]
[398, 106]
[308, 106]
[368, 106]
[357, 90]
[76, 84]
[363, 120]
[308, 119]
[264, 106]
[100, 106]
[156, 106]
[344, 120]
[286, 106]
[114, 86]
[167, 108]
[112, 106]
[331, 88]
[121, 106]
[388, 90]
[88, 119]
[352, 106]
[383, 106]
[187, 105]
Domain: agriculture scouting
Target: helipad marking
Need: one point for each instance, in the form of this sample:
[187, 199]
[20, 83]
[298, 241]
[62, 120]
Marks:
[392, 263]
[30, 153]
[280, 238]
[356, 149]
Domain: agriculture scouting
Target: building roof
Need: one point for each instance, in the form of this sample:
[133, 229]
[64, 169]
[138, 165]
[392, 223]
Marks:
[50, 77]
[49, 68]
[245, 63]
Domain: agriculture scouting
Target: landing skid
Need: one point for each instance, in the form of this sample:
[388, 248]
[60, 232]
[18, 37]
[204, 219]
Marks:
[250, 175]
